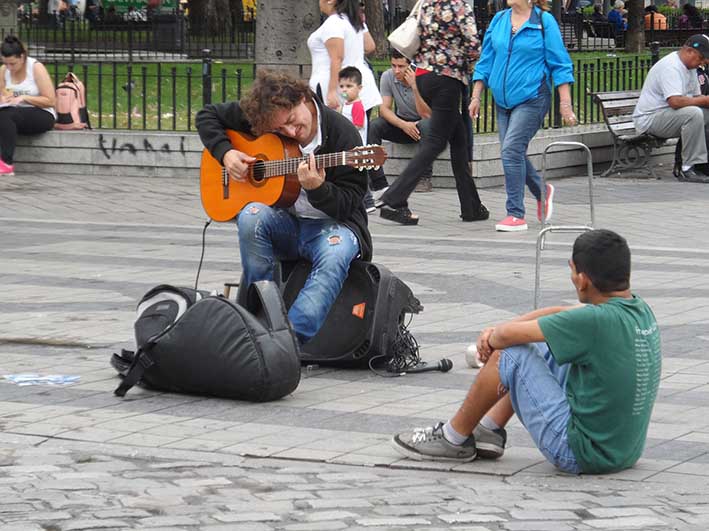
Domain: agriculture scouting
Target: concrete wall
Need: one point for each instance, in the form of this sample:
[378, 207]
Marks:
[153, 154]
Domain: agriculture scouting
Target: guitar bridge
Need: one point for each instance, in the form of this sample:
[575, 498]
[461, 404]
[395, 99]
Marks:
[225, 184]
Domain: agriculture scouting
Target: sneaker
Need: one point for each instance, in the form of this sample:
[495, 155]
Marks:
[692, 176]
[549, 199]
[6, 169]
[480, 214]
[369, 203]
[429, 444]
[377, 195]
[490, 443]
[511, 224]
[424, 185]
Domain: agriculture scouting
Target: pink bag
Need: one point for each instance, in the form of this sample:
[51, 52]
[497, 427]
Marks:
[71, 104]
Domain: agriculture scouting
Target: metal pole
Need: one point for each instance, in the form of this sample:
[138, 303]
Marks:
[206, 77]
[655, 51]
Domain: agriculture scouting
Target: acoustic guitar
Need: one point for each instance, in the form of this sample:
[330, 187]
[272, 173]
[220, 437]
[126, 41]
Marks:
[273, 178]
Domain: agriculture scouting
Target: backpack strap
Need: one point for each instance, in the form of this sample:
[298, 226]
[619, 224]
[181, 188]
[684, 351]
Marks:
[122, 362]
[264, 300]
[135, 372]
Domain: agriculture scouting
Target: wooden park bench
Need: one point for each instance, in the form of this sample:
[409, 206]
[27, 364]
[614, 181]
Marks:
[631, 150]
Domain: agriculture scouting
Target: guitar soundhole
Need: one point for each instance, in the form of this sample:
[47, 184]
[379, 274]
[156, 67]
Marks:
[258, 171]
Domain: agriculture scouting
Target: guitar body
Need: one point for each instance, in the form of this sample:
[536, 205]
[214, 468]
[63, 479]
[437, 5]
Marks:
[223, 197]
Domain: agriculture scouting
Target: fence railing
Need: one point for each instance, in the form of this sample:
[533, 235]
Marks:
[172, 36]
[163, 36]
[160, 96]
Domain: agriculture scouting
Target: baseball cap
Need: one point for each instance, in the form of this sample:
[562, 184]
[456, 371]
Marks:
[699, 42]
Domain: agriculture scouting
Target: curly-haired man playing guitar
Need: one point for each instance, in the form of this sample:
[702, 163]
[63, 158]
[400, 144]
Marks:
[327, 224]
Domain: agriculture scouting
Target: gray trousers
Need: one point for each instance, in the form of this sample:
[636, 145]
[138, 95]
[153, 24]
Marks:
[687, 123]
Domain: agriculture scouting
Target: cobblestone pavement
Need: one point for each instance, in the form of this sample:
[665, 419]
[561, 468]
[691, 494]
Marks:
[77, 254]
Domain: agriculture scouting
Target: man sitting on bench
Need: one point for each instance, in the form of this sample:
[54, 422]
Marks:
[671, 105]
[403, 118]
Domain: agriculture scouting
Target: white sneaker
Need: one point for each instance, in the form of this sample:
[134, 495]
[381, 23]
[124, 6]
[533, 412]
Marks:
[377, 195]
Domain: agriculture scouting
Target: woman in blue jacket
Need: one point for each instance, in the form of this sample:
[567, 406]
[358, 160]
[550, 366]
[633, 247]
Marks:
[519, 59]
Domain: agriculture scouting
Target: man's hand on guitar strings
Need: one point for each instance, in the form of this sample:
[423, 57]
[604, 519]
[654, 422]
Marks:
[237, 164]
[309, 175]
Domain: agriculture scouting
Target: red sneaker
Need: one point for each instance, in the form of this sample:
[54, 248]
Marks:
[549, 204]
[6, 169]
[511, 224]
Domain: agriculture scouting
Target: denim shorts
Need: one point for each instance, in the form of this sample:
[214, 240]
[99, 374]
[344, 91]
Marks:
[537, 388]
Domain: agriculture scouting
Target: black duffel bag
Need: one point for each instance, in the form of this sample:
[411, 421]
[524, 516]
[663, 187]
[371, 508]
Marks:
[217, 348]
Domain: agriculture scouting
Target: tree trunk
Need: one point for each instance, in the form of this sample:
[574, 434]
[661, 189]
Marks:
[282, 29]
[635, 34]
[375, 22]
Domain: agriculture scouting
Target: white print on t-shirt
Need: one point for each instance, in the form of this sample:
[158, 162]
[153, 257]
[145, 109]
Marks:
[647, 368]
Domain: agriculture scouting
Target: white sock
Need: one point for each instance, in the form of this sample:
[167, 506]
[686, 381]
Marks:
[488, 423]
[685, 168]
[453, 436]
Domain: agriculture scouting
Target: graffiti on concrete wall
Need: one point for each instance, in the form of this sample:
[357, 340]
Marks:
[111, 146]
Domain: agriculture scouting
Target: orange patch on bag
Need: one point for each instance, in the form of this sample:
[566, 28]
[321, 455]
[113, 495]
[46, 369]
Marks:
[334, 240]
[358, 310]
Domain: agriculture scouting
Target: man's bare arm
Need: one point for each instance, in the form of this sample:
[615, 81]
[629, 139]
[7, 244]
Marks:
[678, 102]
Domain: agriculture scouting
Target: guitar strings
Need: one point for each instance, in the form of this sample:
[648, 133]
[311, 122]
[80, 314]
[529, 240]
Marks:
[271, 168]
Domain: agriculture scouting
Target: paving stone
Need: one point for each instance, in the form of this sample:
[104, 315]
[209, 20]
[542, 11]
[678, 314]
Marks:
[64, 450]
[642, 522]
[77, 525]
[246, 517]
[317, 526]
[391, 522]
[537, 525]
[609, 512]
[320, 516]
[468, 518]
[543, 515]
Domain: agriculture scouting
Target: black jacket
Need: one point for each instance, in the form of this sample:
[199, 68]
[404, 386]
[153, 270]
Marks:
[340, 196]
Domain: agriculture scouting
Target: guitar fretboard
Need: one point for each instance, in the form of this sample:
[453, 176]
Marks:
[272, 168]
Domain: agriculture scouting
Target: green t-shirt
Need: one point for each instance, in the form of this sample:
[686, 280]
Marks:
[614, 352]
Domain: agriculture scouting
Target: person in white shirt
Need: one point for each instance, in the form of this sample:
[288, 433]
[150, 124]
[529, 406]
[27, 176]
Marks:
[671, 105]
[26, 99]
[340, 41]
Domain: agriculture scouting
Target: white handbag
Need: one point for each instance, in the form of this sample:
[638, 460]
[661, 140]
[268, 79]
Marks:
[405, 38]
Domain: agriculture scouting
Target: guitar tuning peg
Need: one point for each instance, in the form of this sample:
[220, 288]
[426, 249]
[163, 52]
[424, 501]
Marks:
[376, 167]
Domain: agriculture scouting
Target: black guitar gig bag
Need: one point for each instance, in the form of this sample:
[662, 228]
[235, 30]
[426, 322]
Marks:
[212, 346]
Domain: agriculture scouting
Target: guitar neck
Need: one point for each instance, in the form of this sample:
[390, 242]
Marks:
[273, 168]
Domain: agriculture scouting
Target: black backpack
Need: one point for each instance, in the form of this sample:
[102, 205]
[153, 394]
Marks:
[190, 342]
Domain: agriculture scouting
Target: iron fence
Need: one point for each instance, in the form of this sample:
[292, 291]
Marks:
[166, 96]
[170, 36]
[160, 37]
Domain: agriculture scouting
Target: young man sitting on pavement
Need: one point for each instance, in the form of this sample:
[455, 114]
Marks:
[403, 118]
[327, 224]
[581, 379]
[671, 104]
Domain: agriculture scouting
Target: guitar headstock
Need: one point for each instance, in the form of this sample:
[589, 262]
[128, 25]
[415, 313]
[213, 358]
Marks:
[366, 157]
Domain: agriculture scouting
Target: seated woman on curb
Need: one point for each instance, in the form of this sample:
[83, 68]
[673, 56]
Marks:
[26, 99]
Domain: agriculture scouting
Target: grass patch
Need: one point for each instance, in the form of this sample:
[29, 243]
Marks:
[166, 96]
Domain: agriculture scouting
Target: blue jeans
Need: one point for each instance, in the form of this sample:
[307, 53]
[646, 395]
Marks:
[268, 234]
[516, 128]
[537, 388]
